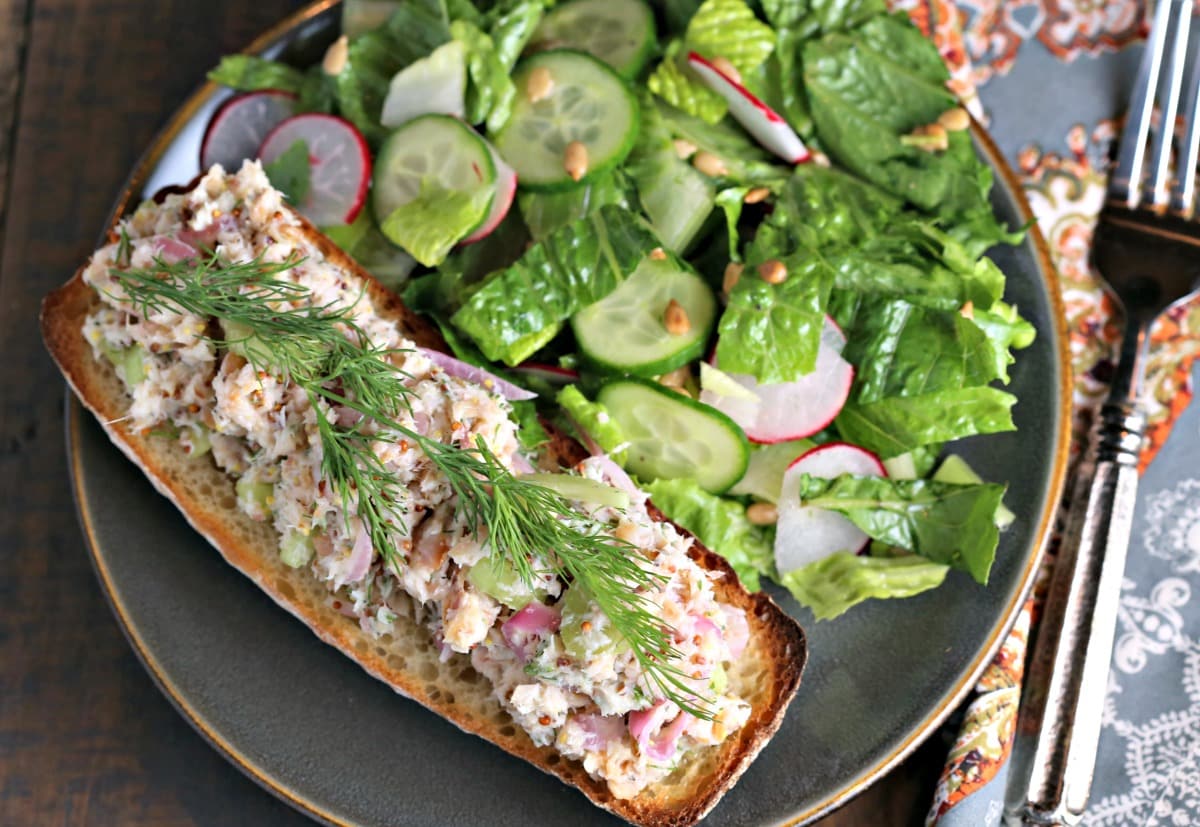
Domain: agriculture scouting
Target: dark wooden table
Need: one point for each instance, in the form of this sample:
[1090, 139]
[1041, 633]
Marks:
[85, 737]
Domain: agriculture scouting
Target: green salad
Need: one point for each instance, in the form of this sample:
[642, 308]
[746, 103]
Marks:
[737, 247]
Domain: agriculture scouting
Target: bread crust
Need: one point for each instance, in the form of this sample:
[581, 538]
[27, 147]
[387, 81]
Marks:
[775, 656]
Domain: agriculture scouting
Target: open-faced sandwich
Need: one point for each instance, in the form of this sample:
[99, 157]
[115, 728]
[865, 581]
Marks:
[314, 431]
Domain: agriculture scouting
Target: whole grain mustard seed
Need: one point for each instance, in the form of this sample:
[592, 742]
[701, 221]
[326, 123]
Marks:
[773, 271]
[336, 56]
[575, 160]
[675, 319]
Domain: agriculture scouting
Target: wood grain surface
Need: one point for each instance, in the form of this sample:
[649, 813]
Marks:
[85, 737]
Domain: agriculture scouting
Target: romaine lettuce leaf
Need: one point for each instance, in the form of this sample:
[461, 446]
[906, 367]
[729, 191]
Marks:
[431, 224]
[546, 212]
[1007, 331]
[747, 162]
[594, 419]
[719, 28]
[720, 524]
[895, 426]
[415, 29]
[519, 309]
[773, 331]
[834, 584]
[489, 88]
[247, 73]
[530, 433]
[942, 522]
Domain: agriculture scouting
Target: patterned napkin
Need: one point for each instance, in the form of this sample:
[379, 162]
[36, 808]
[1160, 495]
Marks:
[1080, 57]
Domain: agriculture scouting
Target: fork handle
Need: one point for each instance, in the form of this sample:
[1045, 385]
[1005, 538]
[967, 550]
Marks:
[1058, 730]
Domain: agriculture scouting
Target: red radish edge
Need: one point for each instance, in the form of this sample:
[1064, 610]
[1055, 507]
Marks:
[559, 373]
[825, 446]
[768, 113]
[223, 111]
[502, 201]
[806, 433]
[360, 197]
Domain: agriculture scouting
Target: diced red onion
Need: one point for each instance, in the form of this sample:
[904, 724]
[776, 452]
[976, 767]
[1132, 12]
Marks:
[471, 373]
[737, 631]
[598, 730]
[360, 556]
[662, 748]
[521, 465]
[643, 723]
[615, 474]
[347, 417]
[171, 249]
[207, 237]
[534, 622]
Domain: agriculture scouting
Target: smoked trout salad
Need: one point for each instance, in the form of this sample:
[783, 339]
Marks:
[739, 251]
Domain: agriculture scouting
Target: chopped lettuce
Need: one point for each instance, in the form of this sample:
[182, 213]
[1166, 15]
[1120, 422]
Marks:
[1006, 331]
[431, 224]
[247, 73]
[720, 524]
[530, 433]
[291, 173]
[746, 161]
[773, 331]
[546, 212]
[894, 426]
[834, 584]
[519, 309]
[719, 28]
[594, 419]
[415, 29]
[942, 522]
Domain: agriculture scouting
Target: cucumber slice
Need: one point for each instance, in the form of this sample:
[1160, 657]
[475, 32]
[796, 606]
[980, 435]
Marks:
[671, 436]
[587, 102]
[580, 489]
[619, 32]
[437, 149]
[624, 331]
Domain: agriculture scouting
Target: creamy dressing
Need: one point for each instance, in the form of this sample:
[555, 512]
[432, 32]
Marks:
[572, 686]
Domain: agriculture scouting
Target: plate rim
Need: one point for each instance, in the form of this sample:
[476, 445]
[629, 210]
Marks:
[1048, 275]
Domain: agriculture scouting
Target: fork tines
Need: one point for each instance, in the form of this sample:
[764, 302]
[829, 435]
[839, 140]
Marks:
[1160, 81]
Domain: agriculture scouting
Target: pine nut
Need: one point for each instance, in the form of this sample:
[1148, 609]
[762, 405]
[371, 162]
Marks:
[967, 311]
[684, 149]
[773, 271]
[709, 164]
[336, 56]
[727, 69]
[756, 195]
[575, 160]
[955, 120]
[675, 319]
[762, 514]
[658, 254]
[733, 273]
[677, 378]
[931, 137]
[539, 85]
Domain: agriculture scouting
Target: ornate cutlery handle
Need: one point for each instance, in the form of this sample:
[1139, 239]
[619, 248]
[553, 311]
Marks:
[1054, 753]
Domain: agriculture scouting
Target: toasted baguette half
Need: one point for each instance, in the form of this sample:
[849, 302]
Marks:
[766, 675]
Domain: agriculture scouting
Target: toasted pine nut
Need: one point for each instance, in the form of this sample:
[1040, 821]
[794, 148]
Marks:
[967, 311]
[955, 120]
[756, 195]
[658, 254]
[762, 514]
[336, 56]
[677, 378]
[675, 319]
[684, 149]
[575, 160]
[930, 137]
[709, 164]
[539, 85]
[773, 271]
[733, 273]
[727, 69]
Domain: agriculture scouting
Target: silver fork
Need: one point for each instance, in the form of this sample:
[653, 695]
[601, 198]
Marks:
[1148, 250]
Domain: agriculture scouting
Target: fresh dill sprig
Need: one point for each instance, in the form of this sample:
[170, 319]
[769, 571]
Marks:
[272, 322]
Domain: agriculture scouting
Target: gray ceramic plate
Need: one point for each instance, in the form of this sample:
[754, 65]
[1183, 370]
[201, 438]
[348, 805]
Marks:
[308, 725]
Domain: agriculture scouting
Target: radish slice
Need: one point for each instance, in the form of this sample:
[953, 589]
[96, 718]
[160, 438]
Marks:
[340, 161]
[502, 201]
[238, 127]
[805, 534]
[760, 120]
[792, 410]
